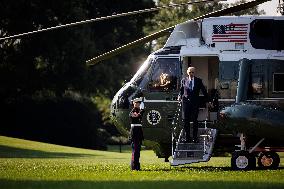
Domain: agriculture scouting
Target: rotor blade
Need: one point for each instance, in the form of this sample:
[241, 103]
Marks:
[103, 18]
[133, 44]
[163, 32]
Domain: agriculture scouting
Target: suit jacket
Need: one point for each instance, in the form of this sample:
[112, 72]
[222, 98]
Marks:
[193, 96]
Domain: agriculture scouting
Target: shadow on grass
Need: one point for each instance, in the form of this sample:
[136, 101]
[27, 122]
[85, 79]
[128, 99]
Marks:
[199, 169]
[204, 168]
[188, 168]
[216, 169]
[75, 184]
[11, 152]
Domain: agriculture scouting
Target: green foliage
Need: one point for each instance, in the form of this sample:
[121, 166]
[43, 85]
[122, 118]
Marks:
[112, 133]
[103, 105]
[43, 61]
[118, 140]
[66, 120]
[55, 60]
[27, 164]
[251, 11]
[51, 65]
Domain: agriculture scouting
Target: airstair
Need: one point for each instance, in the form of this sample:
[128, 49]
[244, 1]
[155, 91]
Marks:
[187, 153]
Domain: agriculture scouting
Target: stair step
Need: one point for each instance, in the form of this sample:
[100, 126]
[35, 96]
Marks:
[181, 161]
[192, 143]
[189, 154]
[188, 158]
[190, 146]
[200, 138]
[201, 150]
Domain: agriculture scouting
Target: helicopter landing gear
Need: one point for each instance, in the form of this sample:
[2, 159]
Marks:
[268, 160]
[242, 160]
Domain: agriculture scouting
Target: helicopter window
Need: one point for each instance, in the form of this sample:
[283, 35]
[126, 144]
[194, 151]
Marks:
[280, 29]
[257, 85]
[164, 75]
[267, 34]
[229, 70]
[261, 35]
[277, 85]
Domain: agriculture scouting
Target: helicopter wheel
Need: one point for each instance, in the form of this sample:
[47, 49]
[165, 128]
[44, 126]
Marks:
[268, 160]
[242, 160]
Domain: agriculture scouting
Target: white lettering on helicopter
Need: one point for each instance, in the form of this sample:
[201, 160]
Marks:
[154, 117]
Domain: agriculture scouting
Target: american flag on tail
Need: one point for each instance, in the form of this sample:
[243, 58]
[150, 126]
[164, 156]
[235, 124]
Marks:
[230, 33]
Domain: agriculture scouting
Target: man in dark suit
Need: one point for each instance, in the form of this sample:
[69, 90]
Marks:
[189, 94]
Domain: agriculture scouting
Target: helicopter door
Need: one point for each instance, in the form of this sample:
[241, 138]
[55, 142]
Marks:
[207, 68]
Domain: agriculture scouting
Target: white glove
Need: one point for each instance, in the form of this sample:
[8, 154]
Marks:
[142, 106]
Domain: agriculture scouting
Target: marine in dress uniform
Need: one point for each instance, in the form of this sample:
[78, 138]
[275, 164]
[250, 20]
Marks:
[136, 132]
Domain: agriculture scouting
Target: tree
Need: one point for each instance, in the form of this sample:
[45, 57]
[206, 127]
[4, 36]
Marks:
[45, 69]
[251, 11]
[113, 34]
[55, 61]
[42, 61]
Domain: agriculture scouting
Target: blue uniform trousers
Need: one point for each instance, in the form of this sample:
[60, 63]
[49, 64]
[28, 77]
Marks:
[136, 148]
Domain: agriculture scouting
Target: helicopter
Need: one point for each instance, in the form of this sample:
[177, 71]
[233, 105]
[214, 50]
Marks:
[240, 60]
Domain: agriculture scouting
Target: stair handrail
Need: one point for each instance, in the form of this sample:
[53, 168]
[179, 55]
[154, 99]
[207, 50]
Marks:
[175, 123]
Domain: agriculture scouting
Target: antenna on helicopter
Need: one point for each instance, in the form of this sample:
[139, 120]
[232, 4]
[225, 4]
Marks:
[157, 8]
[166, 31]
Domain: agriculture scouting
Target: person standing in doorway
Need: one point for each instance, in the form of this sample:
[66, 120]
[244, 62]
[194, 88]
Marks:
[136, 132]
[189, 94]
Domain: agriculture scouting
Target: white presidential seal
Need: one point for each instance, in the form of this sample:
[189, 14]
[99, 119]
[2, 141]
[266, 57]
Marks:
[153, 117]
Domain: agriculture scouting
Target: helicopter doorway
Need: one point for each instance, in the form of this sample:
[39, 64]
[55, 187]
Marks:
[207, 68]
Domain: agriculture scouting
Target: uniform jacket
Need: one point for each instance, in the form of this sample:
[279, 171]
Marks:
[136, 132]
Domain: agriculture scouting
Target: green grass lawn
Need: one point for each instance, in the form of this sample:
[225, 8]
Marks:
[28, 164]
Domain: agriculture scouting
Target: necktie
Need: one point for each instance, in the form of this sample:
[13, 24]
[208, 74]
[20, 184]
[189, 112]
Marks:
[190, 85]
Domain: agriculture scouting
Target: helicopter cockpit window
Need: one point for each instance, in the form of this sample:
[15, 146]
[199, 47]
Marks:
[164, 75]
[138, 77]
[278, 86]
